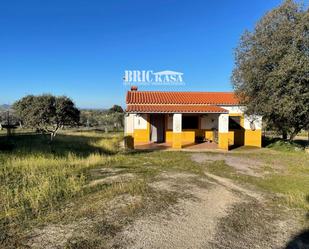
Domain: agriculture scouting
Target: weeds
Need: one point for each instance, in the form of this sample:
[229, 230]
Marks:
[37, 181]
[44, 183]
[290, 181]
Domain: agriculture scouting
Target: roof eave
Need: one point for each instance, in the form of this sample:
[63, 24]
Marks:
[148, 112]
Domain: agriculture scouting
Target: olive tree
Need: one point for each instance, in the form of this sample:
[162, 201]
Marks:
[47, 113]
[271, 75]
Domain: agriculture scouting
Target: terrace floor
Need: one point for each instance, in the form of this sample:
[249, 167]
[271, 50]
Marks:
[166, 146]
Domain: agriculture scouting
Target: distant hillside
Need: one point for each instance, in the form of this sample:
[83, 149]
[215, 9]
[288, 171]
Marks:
[5, 107]
[94, 109]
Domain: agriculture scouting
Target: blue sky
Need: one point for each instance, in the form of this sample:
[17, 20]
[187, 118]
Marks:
[82, 48]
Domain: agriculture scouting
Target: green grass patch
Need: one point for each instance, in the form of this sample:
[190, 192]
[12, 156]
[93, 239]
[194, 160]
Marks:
[286, 146]
[157, 162]
[286, 174]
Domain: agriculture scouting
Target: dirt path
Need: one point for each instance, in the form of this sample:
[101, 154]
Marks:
[211, 212]
[244, 165]
[190, 224]
[232, 186]
[220, 214]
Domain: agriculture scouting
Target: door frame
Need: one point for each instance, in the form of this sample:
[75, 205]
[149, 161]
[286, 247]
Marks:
[163, 120]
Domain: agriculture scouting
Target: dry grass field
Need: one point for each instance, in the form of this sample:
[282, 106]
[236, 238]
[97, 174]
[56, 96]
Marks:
[84, 191]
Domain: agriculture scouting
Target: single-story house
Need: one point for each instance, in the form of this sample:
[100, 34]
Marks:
[179, 119]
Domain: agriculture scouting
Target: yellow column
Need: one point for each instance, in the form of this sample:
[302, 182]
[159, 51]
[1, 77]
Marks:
[253, 130]
[253, 138]
[129, 131]
[223, 125]
[177, 140]
[223, 140]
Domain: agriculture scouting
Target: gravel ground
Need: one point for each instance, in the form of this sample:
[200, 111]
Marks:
[215, 213]
[189, 224]
[247, 166]
[221, 214]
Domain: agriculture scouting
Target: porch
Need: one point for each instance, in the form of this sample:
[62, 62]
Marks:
[185, 119]
[204, 146]
[200, 131]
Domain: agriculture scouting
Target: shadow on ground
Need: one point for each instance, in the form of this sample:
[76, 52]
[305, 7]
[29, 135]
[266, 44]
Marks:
[62, 145]
[301, 240]
[270, 142]
[301, 142]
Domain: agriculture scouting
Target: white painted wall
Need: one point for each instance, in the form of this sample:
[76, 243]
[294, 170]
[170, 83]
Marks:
[140, 121]
[129, 123]
[135, 121]
[209, 121]
[255, 120]
[234, 109]
[177, 122]
[223, 123]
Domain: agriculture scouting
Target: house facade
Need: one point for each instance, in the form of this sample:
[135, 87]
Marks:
[180, 119]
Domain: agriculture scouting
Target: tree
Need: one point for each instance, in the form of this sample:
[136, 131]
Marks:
[47, 113]
[116, 108]
[8, 117]
[271, 75]
[107, 119]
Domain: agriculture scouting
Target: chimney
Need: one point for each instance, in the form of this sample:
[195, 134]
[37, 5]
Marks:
[134, 88]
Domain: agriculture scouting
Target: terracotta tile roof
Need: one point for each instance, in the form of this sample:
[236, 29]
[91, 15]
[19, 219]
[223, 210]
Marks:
[189, 98]
[175, 109]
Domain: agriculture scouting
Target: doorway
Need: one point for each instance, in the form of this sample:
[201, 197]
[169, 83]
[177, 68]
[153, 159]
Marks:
[157, 128]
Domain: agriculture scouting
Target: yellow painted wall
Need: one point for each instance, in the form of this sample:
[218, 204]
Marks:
[234, 137]
[177, 140]
[223, 141]
[253, 138]
[188, 136]
[209, 134]
[142, 135]
[231, 138]
[169, 136]
[242, 137]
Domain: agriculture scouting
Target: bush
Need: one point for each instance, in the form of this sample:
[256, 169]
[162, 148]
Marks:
[282, 145]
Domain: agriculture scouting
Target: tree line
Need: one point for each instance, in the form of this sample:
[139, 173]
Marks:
[110, 119]
[48, 114]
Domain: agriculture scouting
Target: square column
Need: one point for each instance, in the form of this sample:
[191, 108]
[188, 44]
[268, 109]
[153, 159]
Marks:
[129, 131]
[223, 133]
[253, 130]
[177, 129]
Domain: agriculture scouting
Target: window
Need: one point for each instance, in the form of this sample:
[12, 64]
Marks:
[190, 122]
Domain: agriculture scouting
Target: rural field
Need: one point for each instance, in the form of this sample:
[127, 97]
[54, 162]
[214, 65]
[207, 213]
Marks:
[83, 190]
